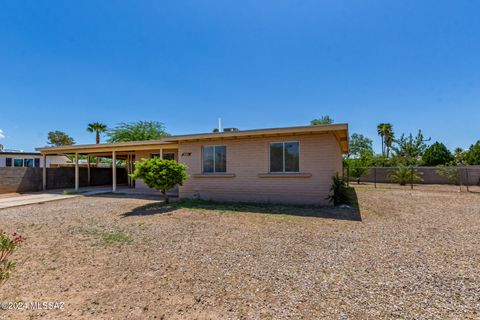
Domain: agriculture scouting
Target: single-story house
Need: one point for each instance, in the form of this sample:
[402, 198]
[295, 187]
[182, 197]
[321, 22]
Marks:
[29, 159]
[279, 165]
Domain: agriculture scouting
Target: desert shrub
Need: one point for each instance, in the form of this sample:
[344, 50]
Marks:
[8, 245]
[405, 174]
[338, 191]
[161, 175]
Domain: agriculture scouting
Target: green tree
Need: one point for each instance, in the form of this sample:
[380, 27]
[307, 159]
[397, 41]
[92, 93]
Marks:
[472, 156]
[359, 144]
[409, 150]
[137, 131]
[437, 154]
[459, 155]
[59, 138]
[323, 120]
[215, 130]
[98, 128]
[385, 131]
[405, 174]
[161, 175]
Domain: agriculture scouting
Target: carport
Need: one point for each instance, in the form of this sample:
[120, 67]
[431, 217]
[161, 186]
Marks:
[127, 152]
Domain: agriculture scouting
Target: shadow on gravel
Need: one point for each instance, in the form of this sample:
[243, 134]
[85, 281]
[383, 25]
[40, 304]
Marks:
[350, 212]
[127, 195]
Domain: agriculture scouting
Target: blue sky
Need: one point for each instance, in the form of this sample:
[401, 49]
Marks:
[256, 64]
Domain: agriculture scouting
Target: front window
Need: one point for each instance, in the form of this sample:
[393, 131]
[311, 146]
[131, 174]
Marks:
[285, 156]
[214, 159]
[8, 162]
[166, 155]
[28, 163]
[18, 162]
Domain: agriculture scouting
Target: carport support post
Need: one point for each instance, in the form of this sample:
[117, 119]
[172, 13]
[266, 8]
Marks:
[114, 171]
[161, 153]
[44, 173]
[77, 173]
[88, 169]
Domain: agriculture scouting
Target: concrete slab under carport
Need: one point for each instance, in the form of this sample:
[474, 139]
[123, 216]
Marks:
[16, 200]
[41, 197]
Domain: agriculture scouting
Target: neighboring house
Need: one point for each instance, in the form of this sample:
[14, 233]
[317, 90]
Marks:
[280, 165]
[29, 159]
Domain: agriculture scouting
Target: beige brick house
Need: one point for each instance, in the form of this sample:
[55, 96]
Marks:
[279, 165]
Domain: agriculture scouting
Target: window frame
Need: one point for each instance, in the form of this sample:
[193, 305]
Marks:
[283, 156]
[226, 159]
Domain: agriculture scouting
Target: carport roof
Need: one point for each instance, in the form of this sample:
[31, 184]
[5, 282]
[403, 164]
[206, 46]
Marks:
[339, 130]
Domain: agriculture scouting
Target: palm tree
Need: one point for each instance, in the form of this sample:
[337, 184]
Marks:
[385, 131]
[98, 128]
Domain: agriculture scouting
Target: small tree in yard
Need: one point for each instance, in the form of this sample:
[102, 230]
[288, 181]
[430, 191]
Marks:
[451, 172]
[161, 175]
[405, 174]
[8, 245]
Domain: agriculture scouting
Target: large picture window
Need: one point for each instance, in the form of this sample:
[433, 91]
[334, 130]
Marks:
[214, 159]
[285, 156]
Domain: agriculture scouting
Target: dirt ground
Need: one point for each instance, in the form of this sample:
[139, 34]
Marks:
[405, 255]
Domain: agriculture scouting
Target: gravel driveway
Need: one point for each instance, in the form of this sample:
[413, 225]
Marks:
[413, 255]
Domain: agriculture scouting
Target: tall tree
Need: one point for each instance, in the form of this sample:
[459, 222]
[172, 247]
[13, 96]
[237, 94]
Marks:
[459, 155]
[137, 131]
[437, 154]
[59, 138]
[410, 149]
[359, 144]
[472, 156]
[98, 128]
[385, 131]
[323, 120]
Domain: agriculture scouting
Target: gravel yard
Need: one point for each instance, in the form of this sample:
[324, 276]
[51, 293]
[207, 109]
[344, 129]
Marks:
[413, 255]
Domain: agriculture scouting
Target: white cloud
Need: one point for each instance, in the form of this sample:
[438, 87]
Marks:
[1, 134]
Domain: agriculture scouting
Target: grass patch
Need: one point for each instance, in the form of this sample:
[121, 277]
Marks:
[72, 192]
[112, 236]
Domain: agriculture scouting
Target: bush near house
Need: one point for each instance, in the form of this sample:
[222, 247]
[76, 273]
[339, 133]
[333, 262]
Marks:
[161, 175]
[338, 191]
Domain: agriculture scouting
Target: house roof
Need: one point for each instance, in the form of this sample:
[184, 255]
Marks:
[19, 153]
[339, 130]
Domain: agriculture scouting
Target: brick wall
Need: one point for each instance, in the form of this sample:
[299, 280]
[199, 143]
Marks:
[320, 157]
